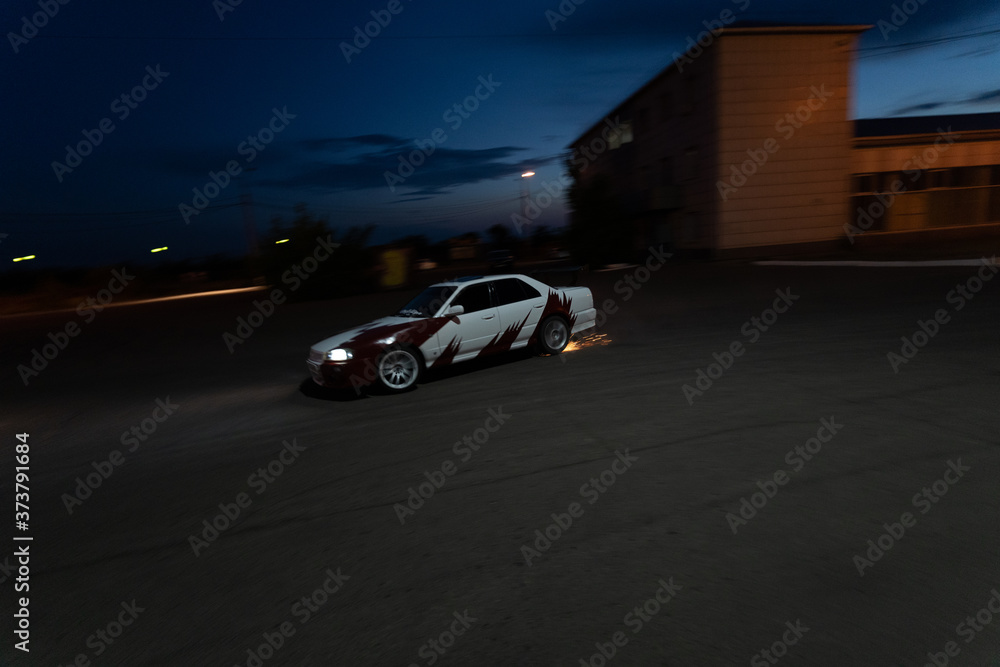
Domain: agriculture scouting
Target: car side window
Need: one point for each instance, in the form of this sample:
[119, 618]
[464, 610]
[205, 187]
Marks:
[529, 291]
[508, 290]
[474, 298]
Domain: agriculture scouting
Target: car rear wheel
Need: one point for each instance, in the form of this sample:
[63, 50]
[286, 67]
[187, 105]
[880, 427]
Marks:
[554, 335]
[398, 369]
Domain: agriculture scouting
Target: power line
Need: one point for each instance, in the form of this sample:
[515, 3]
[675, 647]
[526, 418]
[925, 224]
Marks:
[60, 225]
[221, 203]
[479, 36]
[347, 38]
[909, 46]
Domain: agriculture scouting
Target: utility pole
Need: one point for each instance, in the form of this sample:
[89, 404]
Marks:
[249, 225]
[525, 195]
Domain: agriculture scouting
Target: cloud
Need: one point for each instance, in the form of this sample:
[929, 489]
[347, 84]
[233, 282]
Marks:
[916, 108]
[987, 98]
[410, 199]
[359, 141]
[436, 174]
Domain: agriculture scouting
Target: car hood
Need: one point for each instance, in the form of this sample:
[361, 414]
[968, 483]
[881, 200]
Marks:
[382, 332]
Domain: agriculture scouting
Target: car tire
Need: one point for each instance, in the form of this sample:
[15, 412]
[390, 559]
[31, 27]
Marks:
[553, 335]
[398, 369]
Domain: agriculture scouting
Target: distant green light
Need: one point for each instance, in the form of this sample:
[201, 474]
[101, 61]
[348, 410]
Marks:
[158, 249]
[282, 241]
[24, 259]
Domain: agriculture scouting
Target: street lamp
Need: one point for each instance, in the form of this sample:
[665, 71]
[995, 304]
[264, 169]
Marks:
[526, 192]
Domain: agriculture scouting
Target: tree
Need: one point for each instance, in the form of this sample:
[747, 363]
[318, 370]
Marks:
[541, 235]
[418, 242]
[500, 236]
[348, 270]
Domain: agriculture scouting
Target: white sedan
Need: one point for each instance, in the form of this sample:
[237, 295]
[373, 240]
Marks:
[451, 322]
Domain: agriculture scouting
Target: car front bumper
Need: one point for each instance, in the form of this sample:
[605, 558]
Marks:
[341, 374]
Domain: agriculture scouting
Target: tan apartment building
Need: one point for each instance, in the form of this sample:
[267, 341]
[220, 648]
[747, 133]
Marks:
[925, 176]
[744, 146]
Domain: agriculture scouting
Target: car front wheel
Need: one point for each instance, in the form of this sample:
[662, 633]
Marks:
[554, 335]
[398, 369]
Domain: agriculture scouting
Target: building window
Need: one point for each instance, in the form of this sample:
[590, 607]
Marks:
[869, 212]
[614, 141]
[865, 183]
[969, 177]
[622, 136]
[938, 178]
[891, 181]
[627, 132]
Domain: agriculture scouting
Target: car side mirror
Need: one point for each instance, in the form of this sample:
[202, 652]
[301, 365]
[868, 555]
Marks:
[455, 310]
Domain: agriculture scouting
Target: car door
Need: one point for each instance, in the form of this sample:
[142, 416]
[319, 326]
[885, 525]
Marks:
[520, 306]
[478, 325]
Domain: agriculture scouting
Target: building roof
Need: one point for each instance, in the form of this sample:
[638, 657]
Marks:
[736, 28]
[769, 28]
[915, 125]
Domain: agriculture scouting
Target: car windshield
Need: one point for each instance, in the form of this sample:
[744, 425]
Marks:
[427, 302]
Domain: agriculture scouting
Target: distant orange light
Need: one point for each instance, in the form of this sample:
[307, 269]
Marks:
[527, 174]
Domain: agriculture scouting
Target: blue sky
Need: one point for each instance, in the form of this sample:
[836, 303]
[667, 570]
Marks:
[344, 124]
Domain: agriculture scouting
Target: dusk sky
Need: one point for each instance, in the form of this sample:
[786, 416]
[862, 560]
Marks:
[215, 75]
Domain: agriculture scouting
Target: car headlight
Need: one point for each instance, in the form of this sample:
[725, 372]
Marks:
[339, 354]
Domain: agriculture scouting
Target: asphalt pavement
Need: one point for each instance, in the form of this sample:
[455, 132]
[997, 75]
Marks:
[748, 465]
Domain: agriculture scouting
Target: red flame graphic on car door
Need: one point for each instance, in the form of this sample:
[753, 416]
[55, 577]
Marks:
[502, 341]
[448, 353]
